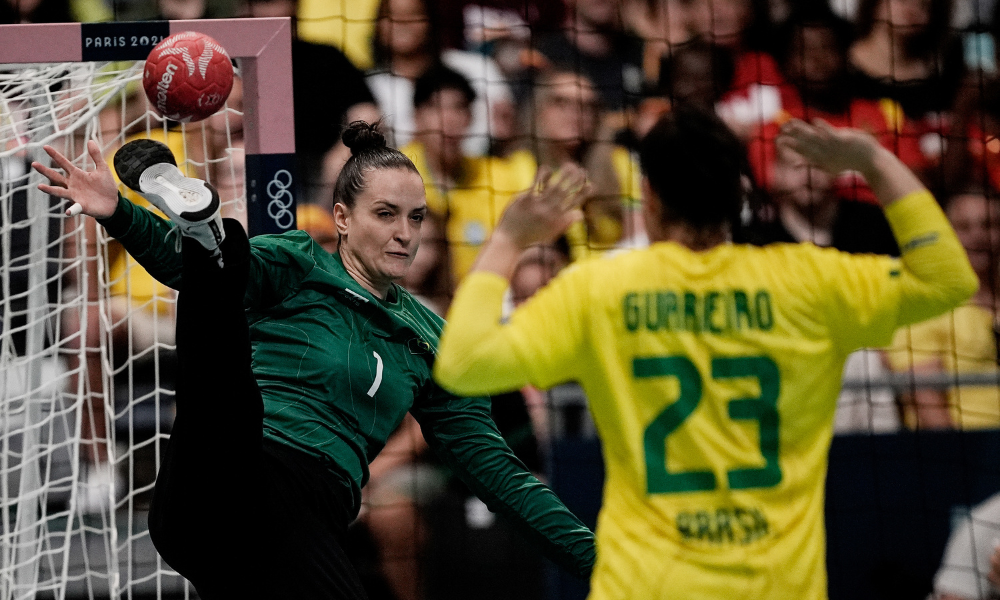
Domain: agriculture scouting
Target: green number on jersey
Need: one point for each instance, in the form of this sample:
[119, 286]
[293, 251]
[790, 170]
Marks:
[658, 479]
[763, 409]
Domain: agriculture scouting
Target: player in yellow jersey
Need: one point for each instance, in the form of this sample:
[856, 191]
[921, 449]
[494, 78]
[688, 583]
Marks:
[712, 369]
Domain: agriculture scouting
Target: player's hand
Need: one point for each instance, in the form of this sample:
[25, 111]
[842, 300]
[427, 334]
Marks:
[542, 213]
[834, 150]
[93, 193]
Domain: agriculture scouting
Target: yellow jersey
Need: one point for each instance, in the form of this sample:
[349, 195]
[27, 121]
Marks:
[961, 341]
[712, 378]
[473, 205]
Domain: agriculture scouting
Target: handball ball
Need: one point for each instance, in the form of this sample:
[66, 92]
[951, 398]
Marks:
[188, 77]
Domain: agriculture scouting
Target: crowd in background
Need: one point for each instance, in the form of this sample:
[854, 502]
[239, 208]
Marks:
[482, 93]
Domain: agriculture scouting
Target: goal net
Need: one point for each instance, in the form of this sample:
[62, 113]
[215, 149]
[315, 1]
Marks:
[86, 335]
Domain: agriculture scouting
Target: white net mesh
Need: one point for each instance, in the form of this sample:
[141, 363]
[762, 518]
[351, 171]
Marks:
[86, 339]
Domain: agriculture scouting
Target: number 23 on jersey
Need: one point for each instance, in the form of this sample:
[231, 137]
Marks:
[763, 409]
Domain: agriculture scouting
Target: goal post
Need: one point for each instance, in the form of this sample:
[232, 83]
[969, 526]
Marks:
[263, 52]
[86, 343]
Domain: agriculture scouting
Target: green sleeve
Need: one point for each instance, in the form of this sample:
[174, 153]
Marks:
[462, 433]
[144, 236]
[277, 262]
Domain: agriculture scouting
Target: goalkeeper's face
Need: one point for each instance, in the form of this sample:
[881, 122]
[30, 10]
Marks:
[380, 234]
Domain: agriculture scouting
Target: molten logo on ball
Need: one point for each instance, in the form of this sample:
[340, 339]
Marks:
[188, 77]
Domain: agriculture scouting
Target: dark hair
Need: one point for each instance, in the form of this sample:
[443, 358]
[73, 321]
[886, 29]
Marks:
[369, 152]
[721, 68]
[759, 33]
[817, 16]
[382, 54]
[696, 166]
[437, 78]
[925, 44]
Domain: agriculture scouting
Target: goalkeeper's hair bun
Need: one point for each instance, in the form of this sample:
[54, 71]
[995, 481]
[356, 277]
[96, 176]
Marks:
[362, 137]
[369, 153]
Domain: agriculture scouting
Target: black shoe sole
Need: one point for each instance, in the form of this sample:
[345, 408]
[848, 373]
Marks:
[138, 155]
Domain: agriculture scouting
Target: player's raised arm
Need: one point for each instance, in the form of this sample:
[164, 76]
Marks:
[936, 275]
[478, 355]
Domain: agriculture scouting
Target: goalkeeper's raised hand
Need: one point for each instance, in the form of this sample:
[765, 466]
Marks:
[93, 193]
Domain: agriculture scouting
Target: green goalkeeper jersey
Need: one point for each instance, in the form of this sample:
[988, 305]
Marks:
[338, 369]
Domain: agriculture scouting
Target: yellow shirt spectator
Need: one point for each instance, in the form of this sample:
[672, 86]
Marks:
[472, 207]
[955, 343]
[346, 24]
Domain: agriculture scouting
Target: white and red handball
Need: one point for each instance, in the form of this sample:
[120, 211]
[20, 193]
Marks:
[188, 77]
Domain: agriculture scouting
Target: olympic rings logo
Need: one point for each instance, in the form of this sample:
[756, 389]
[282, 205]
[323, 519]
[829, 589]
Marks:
[279, 191]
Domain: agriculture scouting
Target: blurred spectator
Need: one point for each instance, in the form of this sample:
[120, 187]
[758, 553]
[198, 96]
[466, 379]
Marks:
[593, 43]
[741, 25]
[479, 25]
[744, 28]
[407, 45]
[563, 119]
[663, 25]
[697, 73]
[536, 267]
[905, 51]
[964, 340]
[970, 568]
[329, 92]
[812, 50]
[468, 193]
[346, 25]
[809, 210]
[973, 150]
[470, 552]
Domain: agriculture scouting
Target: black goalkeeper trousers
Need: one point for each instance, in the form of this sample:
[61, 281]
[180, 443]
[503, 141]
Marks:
[238, 517]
